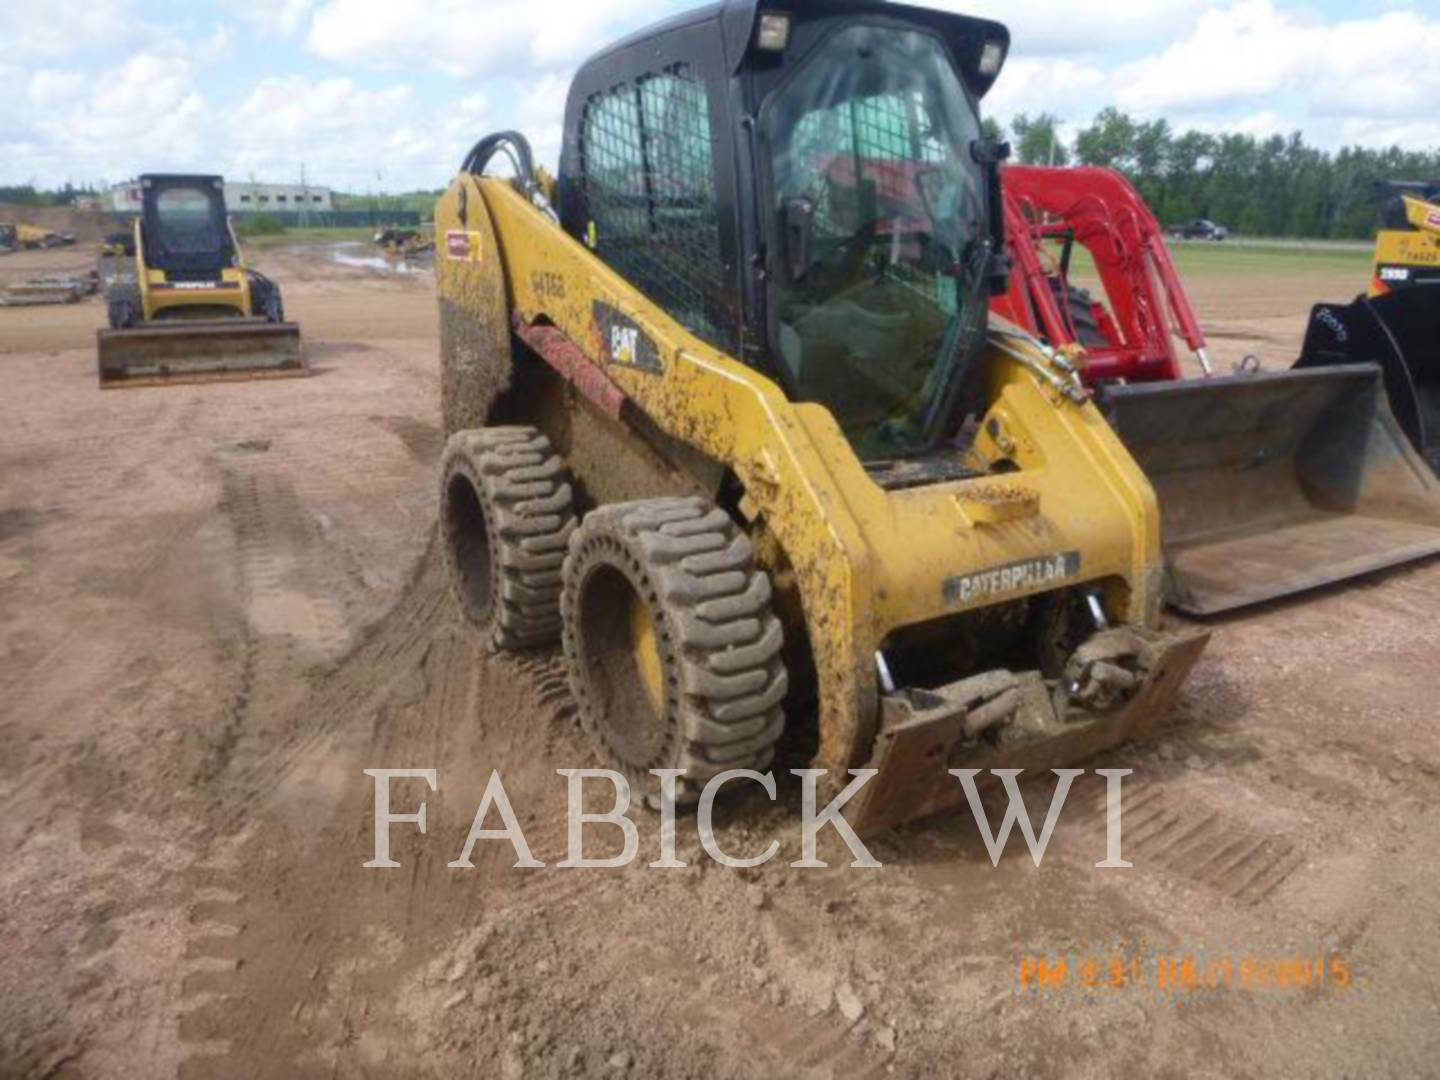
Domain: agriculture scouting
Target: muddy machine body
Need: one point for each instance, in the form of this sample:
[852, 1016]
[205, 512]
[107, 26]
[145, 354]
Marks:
[730, 420]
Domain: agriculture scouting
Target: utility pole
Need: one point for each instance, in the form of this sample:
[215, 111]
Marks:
[304, 199]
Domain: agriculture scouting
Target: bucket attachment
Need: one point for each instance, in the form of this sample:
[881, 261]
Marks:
[1399, 333]
[1008, 720]
[200, 350]
[1273, 483]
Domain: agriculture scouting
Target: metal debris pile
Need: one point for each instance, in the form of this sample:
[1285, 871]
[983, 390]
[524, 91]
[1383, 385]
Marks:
[51, 289]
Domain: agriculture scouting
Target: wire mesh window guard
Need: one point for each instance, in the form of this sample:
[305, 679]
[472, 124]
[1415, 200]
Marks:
[649, 185]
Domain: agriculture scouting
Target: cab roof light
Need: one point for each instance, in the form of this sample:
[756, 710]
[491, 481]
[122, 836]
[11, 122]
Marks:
[992, 55]
[774, 32]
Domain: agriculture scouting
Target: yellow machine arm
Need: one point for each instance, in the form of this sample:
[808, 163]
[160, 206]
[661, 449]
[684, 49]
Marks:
[1424, 215]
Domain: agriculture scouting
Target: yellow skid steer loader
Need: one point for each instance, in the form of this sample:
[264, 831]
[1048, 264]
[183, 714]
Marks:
[192, 311]
[730, 420]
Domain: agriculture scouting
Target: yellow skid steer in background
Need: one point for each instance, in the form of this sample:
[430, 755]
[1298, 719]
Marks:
[192, 310]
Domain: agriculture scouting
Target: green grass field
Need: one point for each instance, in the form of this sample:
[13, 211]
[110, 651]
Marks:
[1273, 259]
[292, 237]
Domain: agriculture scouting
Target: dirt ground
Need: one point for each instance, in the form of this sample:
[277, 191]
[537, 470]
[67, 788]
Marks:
[219, 604]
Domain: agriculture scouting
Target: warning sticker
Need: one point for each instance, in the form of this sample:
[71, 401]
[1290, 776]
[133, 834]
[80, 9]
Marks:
[462, 246]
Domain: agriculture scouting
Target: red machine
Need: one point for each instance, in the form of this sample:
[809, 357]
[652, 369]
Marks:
[1131, 337]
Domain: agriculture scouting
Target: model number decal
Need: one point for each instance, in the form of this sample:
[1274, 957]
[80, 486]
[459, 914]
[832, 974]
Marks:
[623, 342]
[1012, 577]
[548, 284]
[1332, 322]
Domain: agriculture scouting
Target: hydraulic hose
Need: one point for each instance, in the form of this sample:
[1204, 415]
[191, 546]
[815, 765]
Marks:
[511, 143]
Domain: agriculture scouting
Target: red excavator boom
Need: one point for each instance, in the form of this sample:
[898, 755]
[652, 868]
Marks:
[1131, 335]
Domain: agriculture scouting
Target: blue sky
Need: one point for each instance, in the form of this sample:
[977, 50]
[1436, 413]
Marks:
[387, 94]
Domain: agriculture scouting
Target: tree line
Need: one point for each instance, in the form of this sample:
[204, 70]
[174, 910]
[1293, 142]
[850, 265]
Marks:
[30, 195]
[1275, 186]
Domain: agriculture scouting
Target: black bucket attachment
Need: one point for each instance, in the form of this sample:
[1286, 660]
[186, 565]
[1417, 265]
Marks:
[1400, 334]
[1273, 483]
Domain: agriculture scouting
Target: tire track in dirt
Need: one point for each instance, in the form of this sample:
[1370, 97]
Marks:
[211, 962]
[350, 690]
[1189, 841]
[417, 691]
[324, 954]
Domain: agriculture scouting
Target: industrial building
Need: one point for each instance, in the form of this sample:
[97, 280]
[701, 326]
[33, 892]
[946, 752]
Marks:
[242, 197]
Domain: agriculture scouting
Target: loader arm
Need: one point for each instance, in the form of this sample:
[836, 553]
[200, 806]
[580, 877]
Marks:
[1145, 300]
[1268, 485]
[1423, 214]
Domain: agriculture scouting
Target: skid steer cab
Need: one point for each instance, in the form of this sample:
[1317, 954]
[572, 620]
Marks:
[730, 423]
[191, 309]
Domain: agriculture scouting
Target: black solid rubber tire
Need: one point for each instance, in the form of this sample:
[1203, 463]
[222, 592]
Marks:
[506, 515]
[123, 306]
[265, 300]
[1087, 329]
[718, 640]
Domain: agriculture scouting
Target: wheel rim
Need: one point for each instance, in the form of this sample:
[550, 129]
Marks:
[624, 666]
[469, 537]
[647, 654]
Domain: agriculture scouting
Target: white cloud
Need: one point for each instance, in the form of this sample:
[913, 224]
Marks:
[145, 112]
[278, 18]
[49, 88]
[1047, 28]
[352, 137]
[332, 125]
[1254, 67]
[1252, 51]
[148, 114]
[541, 118]
[510, 37]
[62, 29]
[1233, 55]
[1034, 85]
[217, 47]
[1414, 134]
[97, 91]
